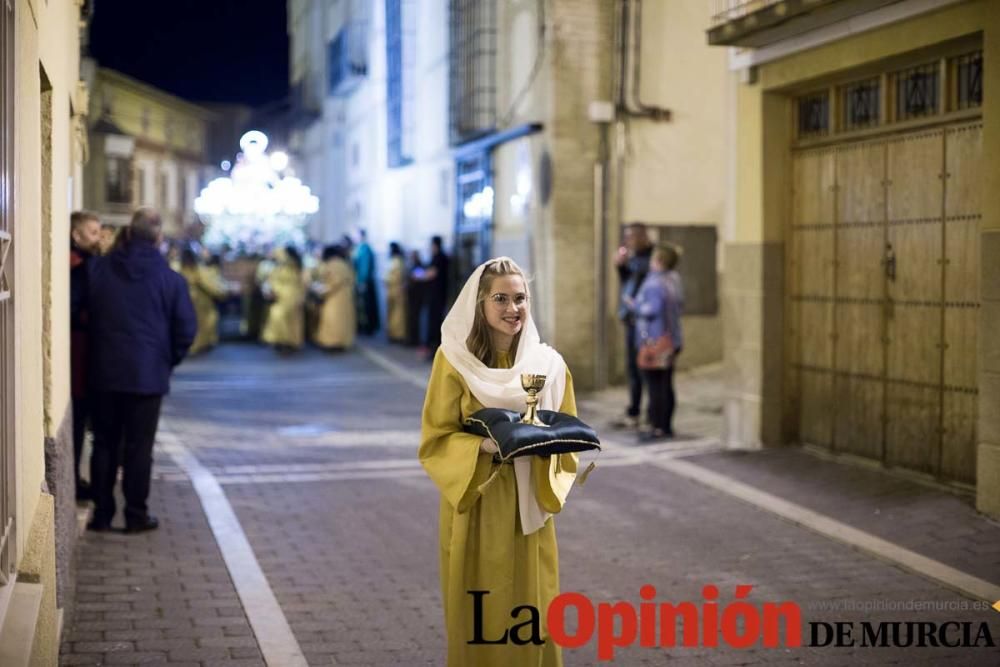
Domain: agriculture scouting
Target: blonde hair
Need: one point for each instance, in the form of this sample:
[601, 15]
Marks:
[668, 254]
[480, 342]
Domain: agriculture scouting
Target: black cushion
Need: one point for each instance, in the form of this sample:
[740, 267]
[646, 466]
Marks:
[564, 434]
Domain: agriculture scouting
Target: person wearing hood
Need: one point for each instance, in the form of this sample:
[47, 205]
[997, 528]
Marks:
[496, 530]
[142, 323]
[85, 243]
[285, 326]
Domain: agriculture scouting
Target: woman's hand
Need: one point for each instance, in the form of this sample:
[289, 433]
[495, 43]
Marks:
[487, 446]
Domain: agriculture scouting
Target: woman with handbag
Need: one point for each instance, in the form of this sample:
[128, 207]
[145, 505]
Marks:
[496, 530]
[658, 306]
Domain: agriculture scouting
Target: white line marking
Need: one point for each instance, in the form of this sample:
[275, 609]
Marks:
[274, 635]
[293, 468]
[320, 476]
[937, 571]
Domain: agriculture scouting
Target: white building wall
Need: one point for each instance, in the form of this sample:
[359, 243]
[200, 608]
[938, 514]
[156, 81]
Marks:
[343, 155]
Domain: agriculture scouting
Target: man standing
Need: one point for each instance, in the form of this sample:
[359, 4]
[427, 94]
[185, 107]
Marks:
[633, 265]
[142, 324]
[85, 242]
[364, 276]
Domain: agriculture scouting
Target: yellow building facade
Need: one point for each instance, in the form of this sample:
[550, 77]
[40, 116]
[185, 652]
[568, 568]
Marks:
[42, 146]
[862, 295]
[148, 148]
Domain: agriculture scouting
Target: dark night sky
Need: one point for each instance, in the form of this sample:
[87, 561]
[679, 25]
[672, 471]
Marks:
[203, 51]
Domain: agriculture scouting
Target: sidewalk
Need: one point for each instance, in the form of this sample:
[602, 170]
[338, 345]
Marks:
[162, 597]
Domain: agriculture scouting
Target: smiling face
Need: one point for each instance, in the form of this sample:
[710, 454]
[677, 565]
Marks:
[506, 308]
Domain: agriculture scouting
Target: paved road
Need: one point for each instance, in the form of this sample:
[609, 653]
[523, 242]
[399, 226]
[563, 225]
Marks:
[316, 455]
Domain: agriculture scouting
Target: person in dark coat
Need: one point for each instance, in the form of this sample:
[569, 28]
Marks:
[365, 286]
[142, 323]
[437, 277]
[633, 265]
[85, 242]
[414, 299]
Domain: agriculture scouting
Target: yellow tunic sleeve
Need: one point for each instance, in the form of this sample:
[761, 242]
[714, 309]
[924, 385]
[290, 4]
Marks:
[210, 282]
[554, 475]
[448, 454]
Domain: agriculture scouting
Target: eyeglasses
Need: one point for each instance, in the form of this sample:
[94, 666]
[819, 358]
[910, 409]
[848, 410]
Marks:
[501, 301]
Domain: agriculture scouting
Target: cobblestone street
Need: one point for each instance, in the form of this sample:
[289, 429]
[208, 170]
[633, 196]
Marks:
[316, 455]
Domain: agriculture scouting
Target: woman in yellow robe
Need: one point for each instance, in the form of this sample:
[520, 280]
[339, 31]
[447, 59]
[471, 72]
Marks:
[337, 325]
[205, 288]
[496, 530]
[395, 294]
[285, 326]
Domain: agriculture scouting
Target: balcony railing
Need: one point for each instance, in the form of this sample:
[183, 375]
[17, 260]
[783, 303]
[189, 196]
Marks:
[755, 23]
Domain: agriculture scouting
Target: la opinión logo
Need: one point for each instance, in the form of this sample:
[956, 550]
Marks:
[708, 624]
[739, 624]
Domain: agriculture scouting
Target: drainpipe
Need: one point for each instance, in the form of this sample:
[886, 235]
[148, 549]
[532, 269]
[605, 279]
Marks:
[633, 100]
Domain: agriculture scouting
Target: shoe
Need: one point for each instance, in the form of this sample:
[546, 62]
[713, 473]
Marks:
[99, 526]
[147, 524]
[655, 435]
[626, 422]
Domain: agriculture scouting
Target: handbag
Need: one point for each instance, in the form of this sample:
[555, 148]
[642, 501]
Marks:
[655, 353]
[563, 435]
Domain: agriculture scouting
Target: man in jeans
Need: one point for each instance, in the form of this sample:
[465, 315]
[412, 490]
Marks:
[633, 265]
[141, 326]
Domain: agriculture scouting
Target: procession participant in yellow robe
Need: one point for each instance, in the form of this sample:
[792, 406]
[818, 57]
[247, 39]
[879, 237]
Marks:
[205, 289]
[216, 285]
[337, 326]
[395, 294]
[496, 530]
[285, 326]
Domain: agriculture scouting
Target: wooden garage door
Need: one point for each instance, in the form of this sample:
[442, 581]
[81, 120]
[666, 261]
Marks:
[884, 297]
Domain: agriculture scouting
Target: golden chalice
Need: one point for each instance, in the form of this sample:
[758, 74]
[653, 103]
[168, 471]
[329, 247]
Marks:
[532, 384]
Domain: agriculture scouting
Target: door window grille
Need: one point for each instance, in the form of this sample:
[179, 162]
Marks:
[474, 213]
[967, 81]
[814, 114]
[859, 102]
[917, 91]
